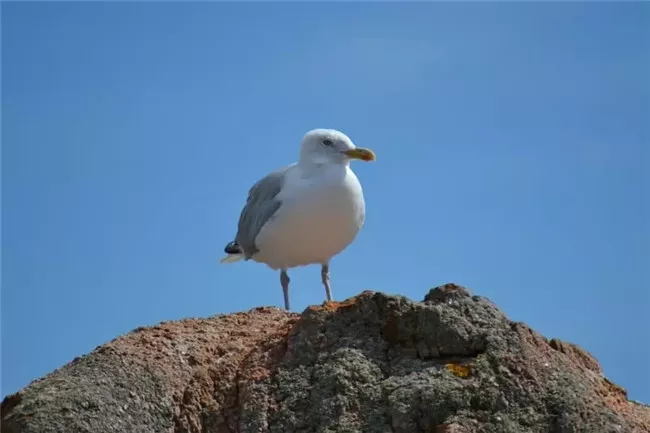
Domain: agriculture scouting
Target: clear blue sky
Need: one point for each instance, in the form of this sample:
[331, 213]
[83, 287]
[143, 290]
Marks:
[512, 144]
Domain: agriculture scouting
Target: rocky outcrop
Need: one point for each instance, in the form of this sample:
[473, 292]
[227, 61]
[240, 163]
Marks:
[453, 363]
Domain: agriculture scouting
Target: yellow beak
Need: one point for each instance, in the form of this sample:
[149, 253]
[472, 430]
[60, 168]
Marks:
[361, 153]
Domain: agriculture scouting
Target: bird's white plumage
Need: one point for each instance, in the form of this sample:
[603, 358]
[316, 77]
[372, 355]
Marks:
[321, 213]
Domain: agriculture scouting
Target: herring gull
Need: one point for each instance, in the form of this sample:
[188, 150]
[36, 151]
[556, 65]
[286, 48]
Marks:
[304, 213]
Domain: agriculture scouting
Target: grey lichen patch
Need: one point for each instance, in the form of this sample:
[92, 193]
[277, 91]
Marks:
[82, 397]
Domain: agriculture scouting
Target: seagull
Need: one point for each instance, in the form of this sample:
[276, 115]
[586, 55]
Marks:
[304, 213]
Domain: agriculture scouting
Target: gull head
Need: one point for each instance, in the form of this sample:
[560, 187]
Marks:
[329, 146]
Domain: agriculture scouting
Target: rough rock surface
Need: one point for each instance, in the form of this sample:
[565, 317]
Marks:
[374, 363]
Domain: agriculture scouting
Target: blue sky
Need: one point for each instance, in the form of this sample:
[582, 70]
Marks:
[512, 143]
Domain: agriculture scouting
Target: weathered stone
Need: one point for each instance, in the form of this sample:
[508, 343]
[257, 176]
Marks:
[453, 363]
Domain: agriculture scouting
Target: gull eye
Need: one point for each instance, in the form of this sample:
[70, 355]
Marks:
[328, 142]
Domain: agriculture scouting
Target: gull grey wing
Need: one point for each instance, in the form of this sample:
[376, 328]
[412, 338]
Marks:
[260, 207]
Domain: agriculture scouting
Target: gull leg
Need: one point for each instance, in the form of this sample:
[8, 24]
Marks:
[325, 278]
[284, 280]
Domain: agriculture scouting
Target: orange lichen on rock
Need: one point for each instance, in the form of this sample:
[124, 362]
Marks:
[332, 306]
[460, 370]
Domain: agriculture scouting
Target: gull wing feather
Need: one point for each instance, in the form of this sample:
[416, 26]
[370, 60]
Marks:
[261, 205]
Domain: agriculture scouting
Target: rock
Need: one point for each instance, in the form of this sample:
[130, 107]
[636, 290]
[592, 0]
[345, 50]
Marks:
[453, 363]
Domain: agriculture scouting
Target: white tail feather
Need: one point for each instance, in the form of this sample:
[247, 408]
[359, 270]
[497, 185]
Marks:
[232, 258]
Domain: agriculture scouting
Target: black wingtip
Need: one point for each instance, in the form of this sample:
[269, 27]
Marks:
[233, 248]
